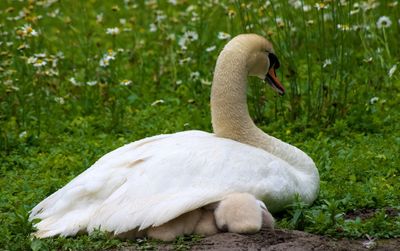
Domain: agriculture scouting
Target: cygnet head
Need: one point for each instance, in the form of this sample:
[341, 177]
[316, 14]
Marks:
[261, 60]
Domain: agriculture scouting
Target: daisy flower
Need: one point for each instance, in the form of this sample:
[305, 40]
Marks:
[211, 48]
[91, 83]
[392, 70]
[125, 82]
[113, 31]
[27, 31]
[223, 35]
[383, 22]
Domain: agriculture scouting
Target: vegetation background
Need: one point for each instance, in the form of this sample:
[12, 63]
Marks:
[81, 78]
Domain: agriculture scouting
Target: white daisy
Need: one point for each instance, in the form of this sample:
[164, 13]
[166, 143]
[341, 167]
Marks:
[223, 35]
[153, 27]
[160, 101]
[113, 31]
[373, 100]
[125, 82]
[383, 22]
[74, 82]
[28, 31]
[195, 75]
[91, 83]
[211, 48]
[392, 70]
[327, 62]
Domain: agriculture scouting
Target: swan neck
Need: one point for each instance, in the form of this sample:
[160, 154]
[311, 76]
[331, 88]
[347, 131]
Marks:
[230, 115]
[229, 111]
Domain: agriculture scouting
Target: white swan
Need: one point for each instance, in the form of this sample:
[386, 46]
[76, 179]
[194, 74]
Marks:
[152, 181]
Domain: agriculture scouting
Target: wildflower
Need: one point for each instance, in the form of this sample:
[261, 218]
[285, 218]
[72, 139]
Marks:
[249, 26]
[113, 31]
[383, 22]
[110, 54]
[392, 70]
[369, 5]
[51, 72]
[393, 4]
[211, 48]
[171, 37]
[160, 16]
[125, 82]
[160, 101]
[22, 46]
[223, 35]
[356, 9]
[279, 22]
[40, 55]
[91, 83]
[59, 100]
[39, 62]
[191, 35]
[185, 60]
[60, 55]
[74, 82]
[368, 60]
[321, 6]
[343, 27]
[122, 21]
[115, 8]
[99, 18]
[205, 81]
[295, 3]
[179, 82]
[54, 13]
[327, 62]
[27, 31]
[173, 2]
[328, 17]
[306, 8]
[373, 100]
[22, 134]
[310, 22]
[104, 62]
[153, 27]
[194, 75]
[231, 13]
[107, 57]
[187, 36]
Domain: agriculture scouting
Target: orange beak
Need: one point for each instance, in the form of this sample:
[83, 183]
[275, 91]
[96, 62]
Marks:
[274, 81]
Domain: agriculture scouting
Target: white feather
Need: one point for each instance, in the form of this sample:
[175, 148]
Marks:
[176, 175]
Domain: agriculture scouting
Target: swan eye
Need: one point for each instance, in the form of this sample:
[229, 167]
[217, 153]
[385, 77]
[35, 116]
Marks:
[273, 61]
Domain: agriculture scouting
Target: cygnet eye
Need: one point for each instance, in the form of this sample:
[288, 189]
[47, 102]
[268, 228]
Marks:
[273, 61]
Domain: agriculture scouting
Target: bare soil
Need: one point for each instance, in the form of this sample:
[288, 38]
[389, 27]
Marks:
[282, 240]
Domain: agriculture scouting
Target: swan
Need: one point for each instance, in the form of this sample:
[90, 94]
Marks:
[152, 181]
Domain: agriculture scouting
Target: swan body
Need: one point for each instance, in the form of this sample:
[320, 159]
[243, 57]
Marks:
[153, 181]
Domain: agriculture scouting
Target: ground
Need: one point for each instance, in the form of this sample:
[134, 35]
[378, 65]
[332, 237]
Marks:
[282, 240]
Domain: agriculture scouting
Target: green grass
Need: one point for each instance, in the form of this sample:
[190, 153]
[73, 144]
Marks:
[342, 106]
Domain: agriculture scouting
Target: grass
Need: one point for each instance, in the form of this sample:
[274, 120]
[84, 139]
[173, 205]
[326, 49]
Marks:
[61, 111]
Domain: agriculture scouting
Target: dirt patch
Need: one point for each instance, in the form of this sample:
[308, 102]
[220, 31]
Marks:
[282, 240]
[366, 213]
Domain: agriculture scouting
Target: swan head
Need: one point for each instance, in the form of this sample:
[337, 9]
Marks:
[261, 60]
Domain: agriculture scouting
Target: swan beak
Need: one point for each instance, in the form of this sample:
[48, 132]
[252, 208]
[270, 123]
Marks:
[274, 81]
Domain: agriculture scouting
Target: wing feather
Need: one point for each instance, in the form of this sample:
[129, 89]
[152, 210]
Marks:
[154, 180]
